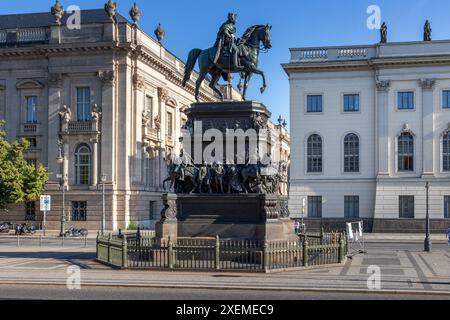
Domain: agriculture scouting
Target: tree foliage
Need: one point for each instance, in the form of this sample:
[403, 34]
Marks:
[19, 181]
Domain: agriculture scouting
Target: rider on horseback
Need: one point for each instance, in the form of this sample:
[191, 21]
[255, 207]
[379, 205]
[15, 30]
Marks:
[226, 39]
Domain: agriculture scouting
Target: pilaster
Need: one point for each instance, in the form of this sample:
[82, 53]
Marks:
[383, 88]
[428, 125]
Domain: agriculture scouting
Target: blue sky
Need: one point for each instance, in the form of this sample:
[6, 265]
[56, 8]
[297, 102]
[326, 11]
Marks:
[296, 23]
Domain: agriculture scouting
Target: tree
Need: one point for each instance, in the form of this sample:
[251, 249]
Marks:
[19, 181]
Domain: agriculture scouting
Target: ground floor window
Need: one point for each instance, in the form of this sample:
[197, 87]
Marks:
[154, 215]
[351, 206]
[30, 211]
[447, 207]
[79, 211]
[406, 207]
[315, 206]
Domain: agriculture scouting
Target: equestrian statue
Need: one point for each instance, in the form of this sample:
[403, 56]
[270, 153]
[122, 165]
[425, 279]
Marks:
[230, 55]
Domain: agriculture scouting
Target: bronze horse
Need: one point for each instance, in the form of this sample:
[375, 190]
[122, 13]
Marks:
[248, 51]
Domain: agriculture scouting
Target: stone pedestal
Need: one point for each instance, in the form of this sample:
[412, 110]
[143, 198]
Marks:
[167, 227]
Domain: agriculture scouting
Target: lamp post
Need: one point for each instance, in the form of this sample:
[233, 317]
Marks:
[62, 182]
[103, 181]
[427, 221]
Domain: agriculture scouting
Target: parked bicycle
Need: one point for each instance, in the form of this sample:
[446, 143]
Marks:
[76, 233]
[6, 227]
[22, 229]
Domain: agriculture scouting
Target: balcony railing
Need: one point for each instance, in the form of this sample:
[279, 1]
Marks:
[79, 127]
[30, 128]
[332, 54]
[22, 36]
[150, 133]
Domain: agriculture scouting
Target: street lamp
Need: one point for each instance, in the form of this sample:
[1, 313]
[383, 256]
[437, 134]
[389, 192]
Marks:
[427, 221]
[62, 182]
[103, 181]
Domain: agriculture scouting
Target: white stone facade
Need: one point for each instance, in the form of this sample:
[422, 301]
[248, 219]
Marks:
[378, 75]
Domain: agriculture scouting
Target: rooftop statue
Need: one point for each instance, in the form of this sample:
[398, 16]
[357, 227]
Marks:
[427, 31]
[230, 55]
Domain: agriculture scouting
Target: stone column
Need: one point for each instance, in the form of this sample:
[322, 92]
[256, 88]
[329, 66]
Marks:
[383, 127]
[428, 127]
[54, 121]
[108, 128]
[139, 101]
[163, 95]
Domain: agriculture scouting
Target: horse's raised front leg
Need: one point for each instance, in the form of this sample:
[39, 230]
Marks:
[247, 78]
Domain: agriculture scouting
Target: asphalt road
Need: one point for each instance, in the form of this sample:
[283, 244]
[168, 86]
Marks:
[19, 292]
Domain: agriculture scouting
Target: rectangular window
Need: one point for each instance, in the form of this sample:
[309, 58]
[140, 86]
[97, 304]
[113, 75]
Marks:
[33, 142]
[30, 211]
[31, 109]
[314, 103]
[315, 207]
[84, 104]
[447, 207]
[79, 211]
[406, 207]
[405, 101]
[169, 127]
[149, 109]
[351, 204]
[153, 213]
[351, 102]
[446, 99]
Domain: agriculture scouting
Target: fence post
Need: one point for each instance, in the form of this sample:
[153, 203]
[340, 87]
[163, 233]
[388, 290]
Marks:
[266, 265]
[217, 253]
[305, 252]
[124, 252]
[170, 254]
[341, 249]
[109, 248]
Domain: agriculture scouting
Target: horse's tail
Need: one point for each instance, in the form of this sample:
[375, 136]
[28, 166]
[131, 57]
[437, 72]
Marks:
[192, 59]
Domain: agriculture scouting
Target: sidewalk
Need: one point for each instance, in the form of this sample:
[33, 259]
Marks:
[402, 271]
[402, 237]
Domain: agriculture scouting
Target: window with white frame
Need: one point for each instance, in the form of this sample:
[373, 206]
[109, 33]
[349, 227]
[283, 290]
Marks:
[351, 206]
[149, 109]
[446, 151]
[315, 207]
[31, 116]
[406, 207]
[405, 152]
[405, 100]
[84, 104]
[351, 103]
[314, 103]
[446, 99]
[169, 124]
[83, 165]
[351, 153]
[314, 154]
[447, 207]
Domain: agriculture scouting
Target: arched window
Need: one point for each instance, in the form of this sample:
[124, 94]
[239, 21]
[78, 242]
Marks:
[446, 151]
[314, 154]
[83, 165]
[405, 152]
[351, 153]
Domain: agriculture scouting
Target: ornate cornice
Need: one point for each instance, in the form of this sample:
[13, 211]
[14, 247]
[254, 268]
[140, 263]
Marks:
[427, 84]
[406, 129]
[107, 77]
[29, 84]
[383, 85]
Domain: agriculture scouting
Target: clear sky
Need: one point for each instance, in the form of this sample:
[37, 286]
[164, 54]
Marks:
[296, 23]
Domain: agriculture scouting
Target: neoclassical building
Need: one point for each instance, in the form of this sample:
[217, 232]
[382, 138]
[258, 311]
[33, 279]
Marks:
[100, 105]
[370, 125]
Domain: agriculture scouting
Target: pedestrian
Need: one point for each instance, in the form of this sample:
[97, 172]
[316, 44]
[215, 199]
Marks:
[448, 236]
[297, 226]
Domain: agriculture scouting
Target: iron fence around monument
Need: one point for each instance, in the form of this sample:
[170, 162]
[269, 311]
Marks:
[138, 252]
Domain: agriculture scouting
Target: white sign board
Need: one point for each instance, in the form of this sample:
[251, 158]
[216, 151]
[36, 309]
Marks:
[46, 202]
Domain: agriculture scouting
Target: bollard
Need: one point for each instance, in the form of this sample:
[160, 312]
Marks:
[170, 254]
[305, 252]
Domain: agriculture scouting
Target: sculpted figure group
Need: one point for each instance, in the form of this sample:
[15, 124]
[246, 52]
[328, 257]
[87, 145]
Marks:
[217, 178]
